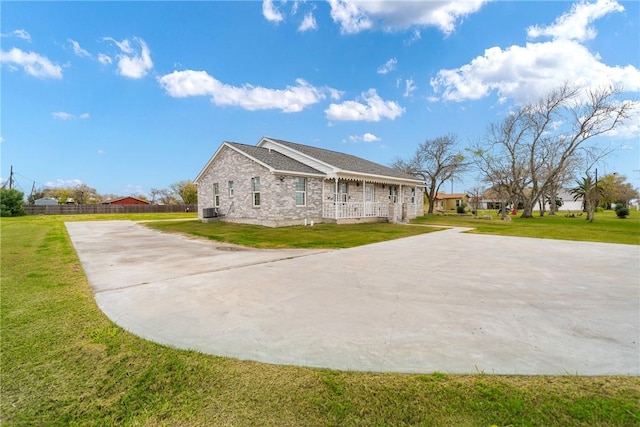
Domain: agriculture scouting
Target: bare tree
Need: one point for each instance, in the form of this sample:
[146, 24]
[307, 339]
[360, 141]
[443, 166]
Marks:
[538, 142]
[435, 161]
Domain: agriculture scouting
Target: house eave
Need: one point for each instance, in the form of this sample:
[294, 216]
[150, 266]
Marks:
[383, 179]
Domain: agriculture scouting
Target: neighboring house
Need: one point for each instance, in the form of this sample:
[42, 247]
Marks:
[450, 202]
[278, 183]
[128, 200]
[45, 201]
[568, 204]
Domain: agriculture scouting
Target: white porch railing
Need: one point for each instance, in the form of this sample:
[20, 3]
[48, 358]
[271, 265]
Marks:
[341, 210]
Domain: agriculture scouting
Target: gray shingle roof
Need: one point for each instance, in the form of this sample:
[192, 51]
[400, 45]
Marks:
[346, 162]
[274, 159]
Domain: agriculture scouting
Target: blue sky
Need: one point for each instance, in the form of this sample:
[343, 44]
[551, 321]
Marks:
[129, 96]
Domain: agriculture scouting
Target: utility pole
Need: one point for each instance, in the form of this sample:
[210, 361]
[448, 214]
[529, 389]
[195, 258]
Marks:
[11, 178]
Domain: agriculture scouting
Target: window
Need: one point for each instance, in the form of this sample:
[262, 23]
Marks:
[230, 188]
[216, 195]
[343, 190]
[255, 189]
[458, 202]
[393, 194]
[413, 195]
[301, 191]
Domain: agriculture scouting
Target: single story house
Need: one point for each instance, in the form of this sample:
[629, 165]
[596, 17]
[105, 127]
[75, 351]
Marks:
[450, 202]
[128, 200]
[279, 183]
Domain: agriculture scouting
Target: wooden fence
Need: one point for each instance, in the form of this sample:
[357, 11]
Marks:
[105, 209]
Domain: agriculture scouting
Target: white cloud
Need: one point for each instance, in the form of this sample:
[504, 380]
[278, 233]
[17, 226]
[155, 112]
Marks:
[525, 73]
[576, 24]
[373, 110]
[270, 12]
[33, 64]
[367, 137]
[390, 65]
[415, 36]
[181, 84]
[410, 87]
[20, 33]
[58, 183]
[351, 19]
[62, 115]
[308, 23]
[104, 59]
[355, 16]
[630, 128]
[132, 64]
[78, 50]
[1, 139]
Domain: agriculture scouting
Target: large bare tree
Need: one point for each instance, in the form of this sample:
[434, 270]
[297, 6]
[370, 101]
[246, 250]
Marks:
[534, 146]
[435, 161]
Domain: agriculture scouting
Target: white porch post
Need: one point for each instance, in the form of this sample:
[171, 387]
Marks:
[364, 198]
[323, 201]
[335, 198]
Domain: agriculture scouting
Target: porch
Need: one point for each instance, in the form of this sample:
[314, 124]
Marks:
[392, 212]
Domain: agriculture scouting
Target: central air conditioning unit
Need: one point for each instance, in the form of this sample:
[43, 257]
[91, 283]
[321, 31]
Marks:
[209, 212]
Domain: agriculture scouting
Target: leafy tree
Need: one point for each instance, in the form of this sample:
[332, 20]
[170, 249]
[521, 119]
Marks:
[435, 161]
[532, 147]
[186, 190]
[615, 190]
[11, 202]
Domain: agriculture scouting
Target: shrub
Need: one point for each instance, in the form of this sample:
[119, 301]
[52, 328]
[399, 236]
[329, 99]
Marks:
[599, 209]
[460, 209]
[11, 202]
[622, 211]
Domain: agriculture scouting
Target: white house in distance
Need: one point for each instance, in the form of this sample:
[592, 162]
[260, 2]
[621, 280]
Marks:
[279, 183]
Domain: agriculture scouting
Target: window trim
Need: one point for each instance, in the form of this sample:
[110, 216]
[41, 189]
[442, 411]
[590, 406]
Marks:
[255, 192]
[302, 192]
[231, 189]
[216, 195]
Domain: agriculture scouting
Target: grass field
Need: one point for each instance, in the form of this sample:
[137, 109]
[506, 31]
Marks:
[64, 363]
[605, 228]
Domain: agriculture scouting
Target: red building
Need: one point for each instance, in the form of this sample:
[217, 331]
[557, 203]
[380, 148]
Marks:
[129, 200]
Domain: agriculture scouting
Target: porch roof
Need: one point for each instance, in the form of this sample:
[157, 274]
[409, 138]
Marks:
[348, 166]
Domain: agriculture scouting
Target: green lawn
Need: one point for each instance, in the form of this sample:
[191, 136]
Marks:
[64, 363]
[605, 228]
[318, 236]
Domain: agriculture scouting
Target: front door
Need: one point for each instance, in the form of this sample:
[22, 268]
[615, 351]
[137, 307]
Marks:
[368, 200]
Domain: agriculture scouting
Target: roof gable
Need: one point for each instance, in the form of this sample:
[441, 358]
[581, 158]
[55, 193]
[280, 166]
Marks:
[275, 160]
[270, 159]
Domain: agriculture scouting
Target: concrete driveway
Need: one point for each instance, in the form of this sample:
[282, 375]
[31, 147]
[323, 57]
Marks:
[445, 301]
